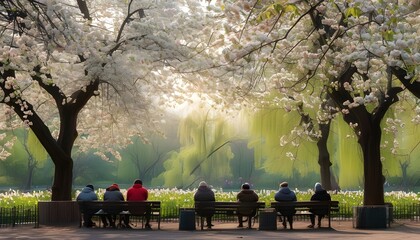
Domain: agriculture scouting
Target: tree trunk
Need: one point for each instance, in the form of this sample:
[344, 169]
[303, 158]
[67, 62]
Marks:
[28, 184]
[324, 156]
[374, 179]
[63, 175]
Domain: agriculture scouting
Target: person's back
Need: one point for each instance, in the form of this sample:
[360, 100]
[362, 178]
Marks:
[246, 195]
[319, 195]
[286, 195]
[113, 194]
[87, 194]
[205, 194]
[138, 193]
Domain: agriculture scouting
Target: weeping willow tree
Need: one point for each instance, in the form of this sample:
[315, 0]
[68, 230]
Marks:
[36, 155]
[204, 154]
[27, 153]
[346, 154]
[279, 143]
[401, 144]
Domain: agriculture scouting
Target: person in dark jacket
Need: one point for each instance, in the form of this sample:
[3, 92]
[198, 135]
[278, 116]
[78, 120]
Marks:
[87, 194]
[112, 194]
[286, 195]
[205, 194]
[246, 195]
[320, 195]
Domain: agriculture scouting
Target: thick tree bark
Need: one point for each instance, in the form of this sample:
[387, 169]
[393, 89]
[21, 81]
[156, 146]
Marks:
[369, 141]
[63, 175]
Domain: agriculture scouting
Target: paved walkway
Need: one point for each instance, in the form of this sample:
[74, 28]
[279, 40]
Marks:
[341, 230]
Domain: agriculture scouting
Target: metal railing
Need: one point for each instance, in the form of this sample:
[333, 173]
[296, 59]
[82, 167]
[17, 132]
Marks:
[19, 215]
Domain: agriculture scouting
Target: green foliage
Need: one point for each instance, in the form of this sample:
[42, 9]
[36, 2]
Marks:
[388, 35]
[279, 7]
[35, 148]
[204, 138]
[13, 198]
[354, 12]
[345, 154]
[276, 149]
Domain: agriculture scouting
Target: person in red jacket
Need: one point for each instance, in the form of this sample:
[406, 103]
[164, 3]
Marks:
[138, 193]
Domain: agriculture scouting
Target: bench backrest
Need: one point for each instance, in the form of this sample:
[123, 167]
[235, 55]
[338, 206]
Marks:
[134, 207]
[245, 208]
[228, 205]
[306, 205]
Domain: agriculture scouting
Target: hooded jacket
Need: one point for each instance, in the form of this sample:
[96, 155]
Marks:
[285, 194]
[247, 195]
[87, 194]
[320, 195]
[137, 193]
[204, 193]
[113, 193]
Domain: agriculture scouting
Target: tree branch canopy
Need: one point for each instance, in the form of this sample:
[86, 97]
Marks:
[84, 9]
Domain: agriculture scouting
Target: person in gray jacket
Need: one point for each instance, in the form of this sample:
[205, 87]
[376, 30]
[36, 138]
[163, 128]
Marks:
[112, 194]
[286, 195]
[87, 194]
[205, 194]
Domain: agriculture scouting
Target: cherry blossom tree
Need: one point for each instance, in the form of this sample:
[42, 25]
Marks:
[363, 55]
[91, 73]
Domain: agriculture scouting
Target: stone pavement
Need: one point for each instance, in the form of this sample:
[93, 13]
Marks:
[340, 230]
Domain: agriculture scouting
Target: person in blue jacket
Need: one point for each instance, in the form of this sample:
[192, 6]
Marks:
[286, 195]
[87, 194]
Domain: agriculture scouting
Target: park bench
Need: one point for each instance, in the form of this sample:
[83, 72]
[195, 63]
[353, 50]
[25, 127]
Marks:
[304, 207]
[131, 208]
[246, 209]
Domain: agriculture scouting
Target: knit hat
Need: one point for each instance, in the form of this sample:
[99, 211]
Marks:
[284, 184]
[90, 186]
[318, 187]
[203, 184]
[114, 186]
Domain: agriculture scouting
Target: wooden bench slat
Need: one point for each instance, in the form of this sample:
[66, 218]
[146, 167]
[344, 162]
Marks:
[304, 207]
[132, 208]
[206, 208]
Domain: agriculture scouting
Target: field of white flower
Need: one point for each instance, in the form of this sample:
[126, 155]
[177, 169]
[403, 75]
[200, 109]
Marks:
[178, 198]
